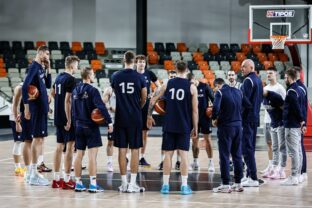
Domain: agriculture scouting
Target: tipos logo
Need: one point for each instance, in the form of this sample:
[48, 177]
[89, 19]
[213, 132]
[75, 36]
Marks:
[280, 13]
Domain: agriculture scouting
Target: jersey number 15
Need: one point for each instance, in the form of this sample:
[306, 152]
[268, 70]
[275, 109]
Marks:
[127, 87]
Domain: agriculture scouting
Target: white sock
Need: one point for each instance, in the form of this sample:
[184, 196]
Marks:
[40, 159]
[196, 160]
[270, 163]
[210, 160]
[178, 158]
[17, 165]
[28, 168]
[56, 176]
[184, 180]
[93, 180]
[127, 155]
[166, 179]
[66, 177]
[109, 159]
[124, 180]
[162, 157]
[33, 170]
[133, 178]
[142, 156]
[78, 180]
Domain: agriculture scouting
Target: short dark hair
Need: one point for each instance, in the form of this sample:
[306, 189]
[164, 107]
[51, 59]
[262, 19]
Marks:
[42, 48]
[140, 57]
[85, 72]
[272, 69]
[291, 73]
[129, 57]
[181, 66]
[71, 59]
[219, 81]
[190, 76]
[297, 68]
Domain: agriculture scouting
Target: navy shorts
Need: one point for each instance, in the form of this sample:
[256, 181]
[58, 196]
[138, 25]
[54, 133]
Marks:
[204, 125]
[16, 135]
[175, 141]
[87, 137]
[144, 115]
[39, 124]
[128, 137]
[26, 126]
[63, 136]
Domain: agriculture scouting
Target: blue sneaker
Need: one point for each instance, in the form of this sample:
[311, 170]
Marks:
[38, 180]
[165, 189]
[79, 187]
[95, 189]
[186, 190]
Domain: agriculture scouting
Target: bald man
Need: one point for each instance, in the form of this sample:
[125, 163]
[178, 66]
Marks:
[252, 92]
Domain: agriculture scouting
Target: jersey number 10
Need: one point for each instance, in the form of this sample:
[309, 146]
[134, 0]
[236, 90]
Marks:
[179, 94]
[127, 87]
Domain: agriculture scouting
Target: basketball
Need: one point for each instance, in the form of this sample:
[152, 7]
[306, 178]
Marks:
[160, 106]
[209, 111]
[97, 117]
[33, 92]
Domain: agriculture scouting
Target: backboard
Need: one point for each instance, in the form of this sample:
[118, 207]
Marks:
[293, 21]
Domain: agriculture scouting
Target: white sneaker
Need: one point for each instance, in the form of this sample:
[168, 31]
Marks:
[290, 181]
[123, 188]
[211, 167]
[38, 180]
[110, 167]
[268, 173]
[266, 169]
[244, 179]
[305, 176]
[194, 166]
[135, 188]
[222, 189]
[300, 178]
[250, 183]
[237, 187]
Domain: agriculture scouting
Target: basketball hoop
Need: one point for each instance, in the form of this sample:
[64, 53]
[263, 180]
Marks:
[278, 41]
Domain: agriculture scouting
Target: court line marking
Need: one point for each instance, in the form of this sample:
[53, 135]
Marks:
[11, 158]
[209, 203]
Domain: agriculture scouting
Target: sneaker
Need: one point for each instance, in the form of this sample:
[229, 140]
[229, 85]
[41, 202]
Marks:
[57, 184]
[177, 166]
[237, 187]
[244, 179]
[165, 189]
[123, 188]
[211, 168]
[143, 162]
[250, 183]
[194, 166]
[80, 187]
[282, 174]
[300, 178]
[305, 176]
[222, 189]
[82, 168]
[26, 177]
[19, 171]
[268, 173]
[160, 167]
[43, 168]
[95, 189]
[110, 167]
[68, 185]
[135, 188]
[38, 180]
[290, 181]
[186, 190]
[265, 170]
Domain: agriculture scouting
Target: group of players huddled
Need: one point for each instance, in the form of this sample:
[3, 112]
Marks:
[127, 107]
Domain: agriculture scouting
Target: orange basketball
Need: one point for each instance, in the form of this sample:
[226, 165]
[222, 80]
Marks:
[33, 92]
[97, 117]
[209, 111]
[160, 106]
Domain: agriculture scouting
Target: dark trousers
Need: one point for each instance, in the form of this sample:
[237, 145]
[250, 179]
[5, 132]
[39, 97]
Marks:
[304, 157]
[249, 146]
[230, 142]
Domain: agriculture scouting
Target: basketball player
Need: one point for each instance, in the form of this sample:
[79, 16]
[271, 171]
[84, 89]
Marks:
[232, 79]
[294, 123]
[37, 110]
[85, 99]
[15, 121]
[253, 93]
[109, 98]
[65, 134]
[181, 115]
[274, 96]
[304, 106]
[229, 122]
[205, 95]
[130, 89]
[140, 61]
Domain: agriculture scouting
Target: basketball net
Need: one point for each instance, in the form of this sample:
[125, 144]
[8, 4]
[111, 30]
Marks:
[278, 41]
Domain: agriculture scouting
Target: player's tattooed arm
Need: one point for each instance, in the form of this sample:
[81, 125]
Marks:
[158, 93]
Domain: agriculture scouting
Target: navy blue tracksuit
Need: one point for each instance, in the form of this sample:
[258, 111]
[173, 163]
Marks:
[274, 101]
[227, 109]
[253, 93]
[304, 107]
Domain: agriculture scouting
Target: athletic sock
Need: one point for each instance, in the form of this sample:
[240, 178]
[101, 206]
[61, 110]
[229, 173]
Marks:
[33, 170]
[56, 176]
[133, 178]
[109, 159]
[17, 165]
[196, 160]
[124, 180]
[78, 180]
[184, 180]
[67, 177]
[162, 157]
[40, 159]
[178, 158]
[93, 180]
[142, 156]
[166, 179]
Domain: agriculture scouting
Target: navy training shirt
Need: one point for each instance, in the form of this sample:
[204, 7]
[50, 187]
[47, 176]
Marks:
[204, 95]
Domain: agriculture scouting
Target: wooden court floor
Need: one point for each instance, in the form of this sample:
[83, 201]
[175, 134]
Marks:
[15, 193]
